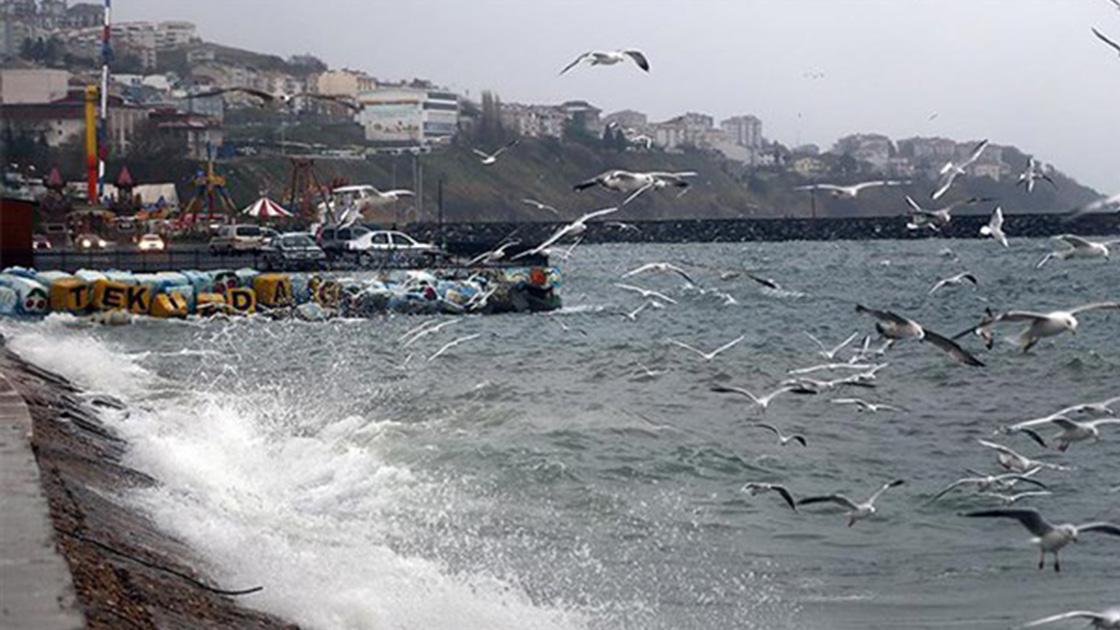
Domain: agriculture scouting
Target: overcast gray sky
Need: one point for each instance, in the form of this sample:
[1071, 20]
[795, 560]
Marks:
[1022, 72]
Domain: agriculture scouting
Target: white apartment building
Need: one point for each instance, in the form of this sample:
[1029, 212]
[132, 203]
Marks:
[408, 115]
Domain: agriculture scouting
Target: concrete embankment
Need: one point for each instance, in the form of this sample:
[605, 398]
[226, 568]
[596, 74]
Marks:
[125, 573]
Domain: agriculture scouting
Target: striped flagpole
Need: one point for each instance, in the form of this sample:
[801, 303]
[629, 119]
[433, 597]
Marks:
[103, 127]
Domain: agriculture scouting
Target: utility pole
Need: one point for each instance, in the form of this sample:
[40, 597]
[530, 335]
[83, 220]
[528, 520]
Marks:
[442, 239]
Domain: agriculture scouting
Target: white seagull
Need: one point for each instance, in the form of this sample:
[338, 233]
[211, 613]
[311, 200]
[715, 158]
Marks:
[955, 281]
[540, 206]
[831, 366]
[1014, 462]
[938, 219]
[783, 439]
[609, 58]
[863, 405]
[1108, 619]
[951, 170]
[493, 255]
[1033, 173]
[661, 267]
[994, 228]
[636, 183]
[754, 488]
[575, 228]
[988, 482]
[646, 293]
[830, 353]
[1078, 247]
[451, 344]
[1049, 538]
[708, 356]
[1009, 499]
[894, 326]
[852, 191]
[633, 315]
[1079, 431]
[1049, 324]
[761, 401]
[858, 511]
[424, 332]
[490, 158]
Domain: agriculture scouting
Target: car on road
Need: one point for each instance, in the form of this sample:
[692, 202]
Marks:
[292, 250]
[151, 243]
[381, 245]
[335, 241]
[40, 242]
[238, 238]
[89, 241]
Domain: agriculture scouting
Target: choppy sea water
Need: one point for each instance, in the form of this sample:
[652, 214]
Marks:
[534, 477]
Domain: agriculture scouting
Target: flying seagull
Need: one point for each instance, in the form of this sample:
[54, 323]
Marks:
[894, 326]
[451, 344]
[935, 219]
[761, 401]
[852, 191]
[783, 439]
[1106, 40]
[951, 170]
[954, 281]
[636, 183]
[982, 330]
[1049, 538]
[646, 293]
[858, 511]
[864, 405]
[708, 356]
[575, 228]
[1014, 462]
[994, 228]
[661, 267]
[830, 366]
[1049, 324]
[1033, 173]
[1078, 247]
[1106, 204]
[1009, 499]
[1079, 431]
[755, 488]
[609, 58]
[633, 315]
[489, 158]
[493, 255]
[830, 353]
[540, 206]
[988, 482]
[1108, 619]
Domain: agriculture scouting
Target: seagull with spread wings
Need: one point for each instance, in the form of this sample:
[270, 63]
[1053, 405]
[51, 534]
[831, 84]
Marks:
[1101, 36]
[540, 206]
[610, 58]
[1033, 173]
[575, 228]
[1078, 247]
[852, 191]
[1049, 324]
[489, 158]
[935, 219]
[952, 170]
[830, 353]
[783, 439]
[894, 326]
[662, 267]
[755, 488]
[1012, 461]
[636, 183]
[994, 228]
[708, 356]
[955, 281]
[857, 511]
[1050, 538]
[1108, 619]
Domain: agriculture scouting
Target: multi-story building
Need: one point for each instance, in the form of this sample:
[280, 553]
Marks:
[83, 15]
[809, 166]
[59, 121]
[875, 149]
[174, 33]
[627, 119]
[199, 135]
[405, 115]
[535, 121]
[344, 82]
[745, 131]
[690, 129]
[583, 114]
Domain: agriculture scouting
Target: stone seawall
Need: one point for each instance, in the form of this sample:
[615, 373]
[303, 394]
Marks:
[739, 230]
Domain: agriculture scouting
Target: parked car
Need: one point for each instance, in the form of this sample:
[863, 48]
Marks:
[231, 239]
[293, 250]
[151, 243]
[40, 242]
[89, 241]
[381, 245]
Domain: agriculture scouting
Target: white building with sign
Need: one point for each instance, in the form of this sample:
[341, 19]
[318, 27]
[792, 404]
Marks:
[406, 115]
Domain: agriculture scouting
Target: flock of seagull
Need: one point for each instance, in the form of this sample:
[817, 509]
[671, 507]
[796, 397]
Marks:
[1075, 424]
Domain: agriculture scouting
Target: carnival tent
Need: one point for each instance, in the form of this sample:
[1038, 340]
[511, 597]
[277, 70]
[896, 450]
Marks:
[265, 208]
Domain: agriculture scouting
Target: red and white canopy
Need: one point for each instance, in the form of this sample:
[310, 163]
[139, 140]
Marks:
[265, 208]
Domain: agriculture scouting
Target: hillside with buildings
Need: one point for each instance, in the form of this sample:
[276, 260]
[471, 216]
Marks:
[415, 133]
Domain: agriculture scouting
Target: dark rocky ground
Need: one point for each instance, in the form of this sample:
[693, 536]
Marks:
[127, 574]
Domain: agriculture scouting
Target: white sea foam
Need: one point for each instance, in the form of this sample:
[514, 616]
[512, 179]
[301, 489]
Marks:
[315, 517]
